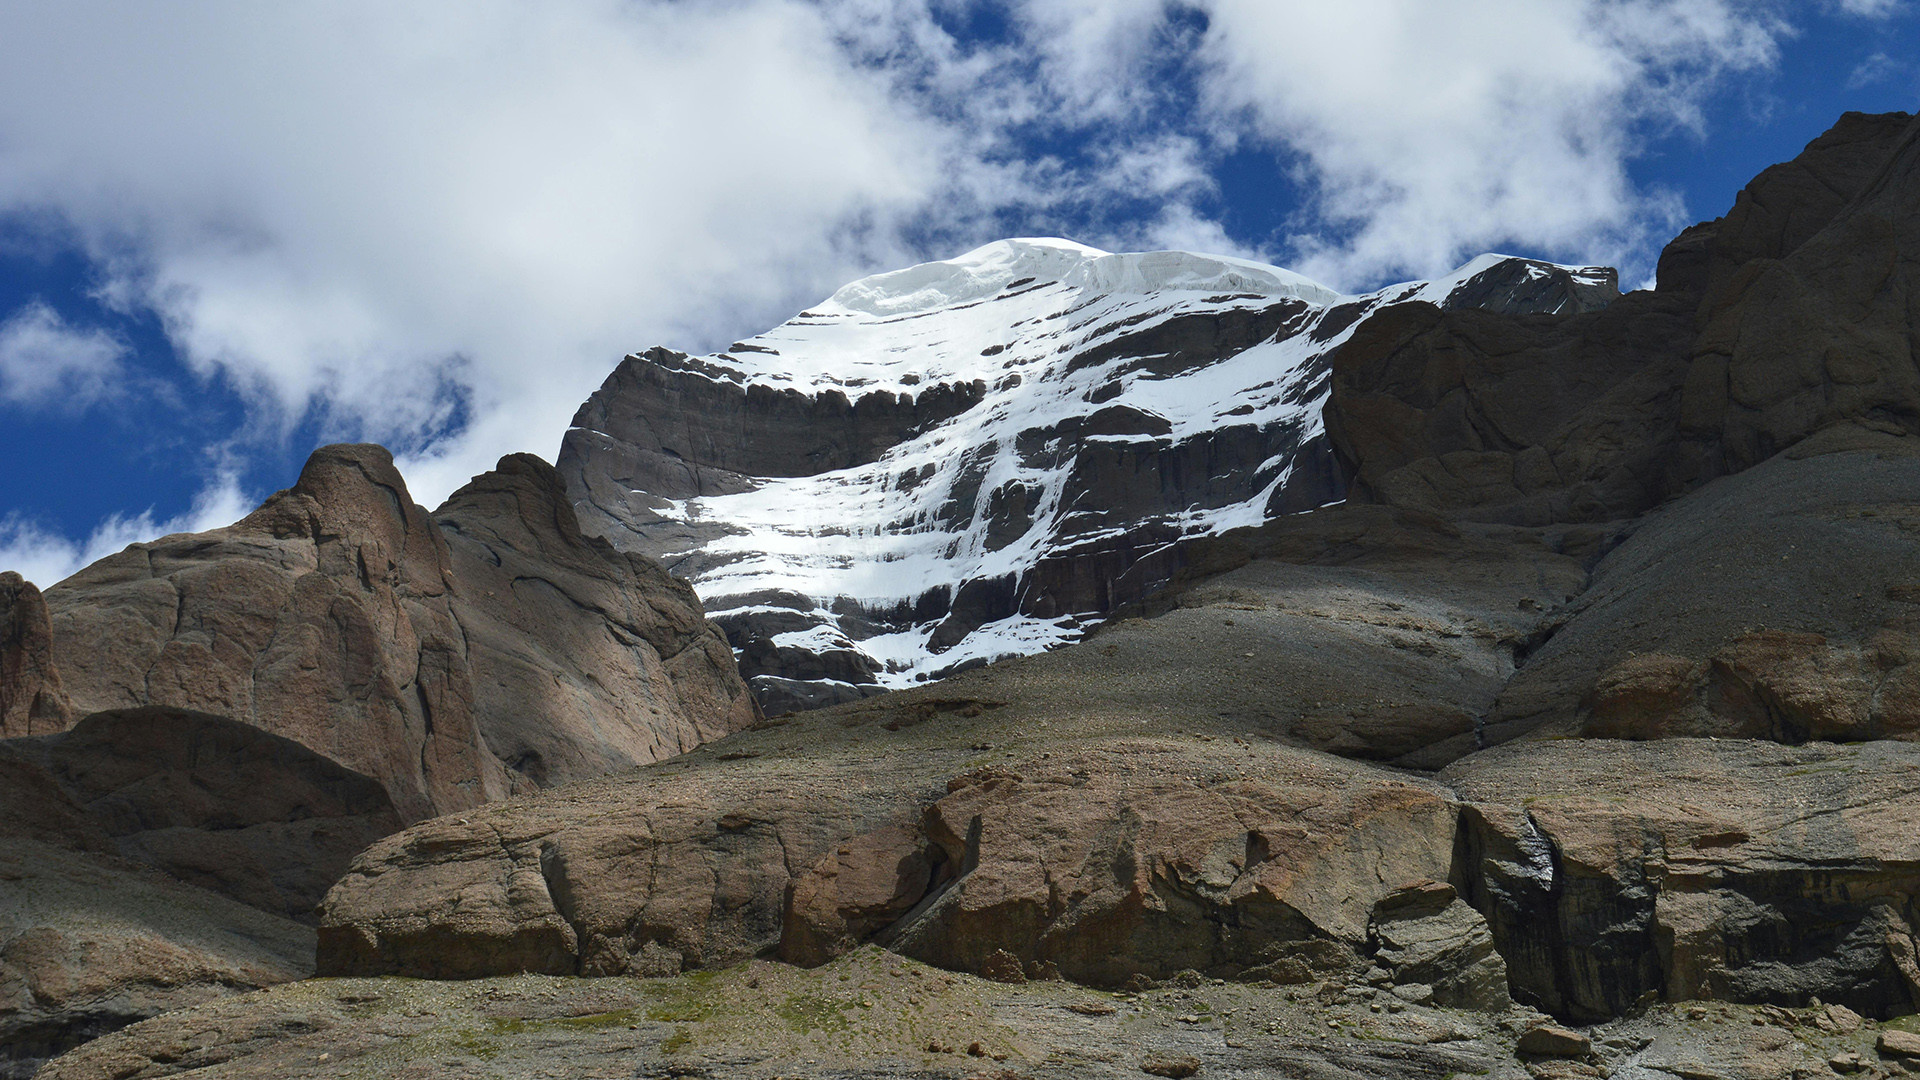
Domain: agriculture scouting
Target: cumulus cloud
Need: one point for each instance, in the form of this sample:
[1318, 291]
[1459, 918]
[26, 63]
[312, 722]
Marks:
[416, 215]
[45, 363]
[44, 556]
[1432, 132]
[440, 224]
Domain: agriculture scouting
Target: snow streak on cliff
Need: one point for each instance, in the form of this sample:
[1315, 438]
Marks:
[972, 459]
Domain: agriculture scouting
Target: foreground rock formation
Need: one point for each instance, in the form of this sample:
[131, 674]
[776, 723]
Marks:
[344, 616]
[227, 718]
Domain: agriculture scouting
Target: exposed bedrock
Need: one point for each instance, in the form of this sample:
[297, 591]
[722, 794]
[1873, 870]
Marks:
[453, 659]
[1102, 864]
[217, 804]
[1795, 311]
[1735, 870]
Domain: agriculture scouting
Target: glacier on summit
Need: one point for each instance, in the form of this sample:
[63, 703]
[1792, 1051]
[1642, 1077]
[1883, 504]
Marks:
[977, 458]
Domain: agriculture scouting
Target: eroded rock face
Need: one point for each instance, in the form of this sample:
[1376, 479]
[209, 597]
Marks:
[342, 615]
[32, 700]
[1734, 870]
[324, 616]
[1792, 313]
[584, 659]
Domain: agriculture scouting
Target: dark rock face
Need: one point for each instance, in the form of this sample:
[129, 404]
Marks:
[345, 617]
[32, 700]
[1732, 870]
[214, 803]
[1031, 475]
[1794, 312]
[152, 859]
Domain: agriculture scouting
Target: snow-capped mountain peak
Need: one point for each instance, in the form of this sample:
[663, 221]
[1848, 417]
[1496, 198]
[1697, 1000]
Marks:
[971, 458]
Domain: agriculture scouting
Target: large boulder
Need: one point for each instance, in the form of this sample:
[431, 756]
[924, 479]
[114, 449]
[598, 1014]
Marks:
[340, 615]
[1735, 870]
[1105, 848]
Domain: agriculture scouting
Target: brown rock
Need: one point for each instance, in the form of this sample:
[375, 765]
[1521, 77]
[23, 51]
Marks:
[1178, 1067]
[1108, 873]
[32, 700]
[1002, 966]
[337, 615]
[1550, 1040]
[215, 803]
[1105, 862]
[851, 893]
[1898, 1043]
[90, 943]
[584, 659]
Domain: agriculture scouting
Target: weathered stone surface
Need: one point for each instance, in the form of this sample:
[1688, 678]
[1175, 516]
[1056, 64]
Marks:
[1794, 312]
[584, 659]
[324, 616]
[90, 943]
[32, 700]
[1551, 1040]
[1425, 934]
[1774, 604]
[213, 802]
[1733, 870]
[1113, 854]
[1110, 872]
[339, 615]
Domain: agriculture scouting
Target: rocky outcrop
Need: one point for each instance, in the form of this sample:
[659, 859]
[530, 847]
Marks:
[1697, 869]
[32, 700]
[584, 660]
[342, 615]
[1126, 857]
[1792, 313]
[325, 616]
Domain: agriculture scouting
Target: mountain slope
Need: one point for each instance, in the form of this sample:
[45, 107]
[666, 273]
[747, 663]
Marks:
[965, 460]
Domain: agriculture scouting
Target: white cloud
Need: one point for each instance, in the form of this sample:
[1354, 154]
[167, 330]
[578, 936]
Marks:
[1871, 9]
[397, 210]
[45, 557]
[1433, 132]
[46, 363]
[440, 224]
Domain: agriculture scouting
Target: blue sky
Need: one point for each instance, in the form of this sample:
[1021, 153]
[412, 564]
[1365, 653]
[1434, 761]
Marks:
[230, 232]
